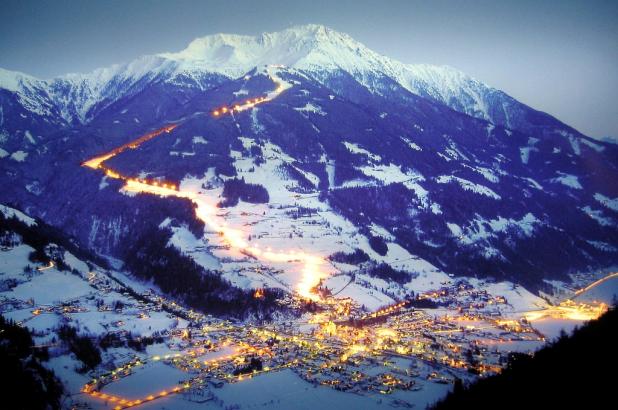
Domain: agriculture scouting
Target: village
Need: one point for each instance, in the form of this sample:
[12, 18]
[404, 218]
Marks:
[456, 332]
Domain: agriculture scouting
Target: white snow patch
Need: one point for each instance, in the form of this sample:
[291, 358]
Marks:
[411, 144]
[524, 154]
[356, 149]
[436, 209]
[480, 229]
[19, 156]
[9, 212]
[29, 136]
[534, 184]
[607, 202]
[310, 107]
[575, 145]
[77, 264]
[181, 154]
[392, 173]
[377, 230]
[103, 184]
[596, 147]
[598, 216]
[603, 246]
[567, 179]
[468, 186]
[199, 140]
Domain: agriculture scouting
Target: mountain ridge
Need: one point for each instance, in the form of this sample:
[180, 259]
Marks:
[312, 48]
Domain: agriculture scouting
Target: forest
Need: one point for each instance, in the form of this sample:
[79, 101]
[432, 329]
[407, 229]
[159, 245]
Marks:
[575, 371]
[23, 376]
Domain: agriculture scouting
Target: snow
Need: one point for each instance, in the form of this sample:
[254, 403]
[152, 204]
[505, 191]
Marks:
[518, 299]
[568, 180]
[524, 225]
[151, 378]
[311, 47]
[361, 293]
[468, 186]
[607, 202]
[388, 174]
[551, 328]
[377, 230]
[188, 244]
[594, 146]
[74, 263]
[575, 145]
[487, 173]
[14, 259]
[534, 184]
[391, 173]
[285, 390]
[455, 229]
[199, 140]
[435, 209]
[19, 156]
[9, 212]
[412, 145]
[598, 216]
[312, 108]
[181, 154]
[39, 287]
[480, 229]
[64, 367]
[524, 153]
[603, 246]
[12, 80]
[330, 172]
[356, 149]
[103, 184]
[29, 137]
[604, 292]
[271, 226]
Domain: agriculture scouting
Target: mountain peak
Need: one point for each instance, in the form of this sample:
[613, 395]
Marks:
[14, 80]
[313, 48]
[296, 46]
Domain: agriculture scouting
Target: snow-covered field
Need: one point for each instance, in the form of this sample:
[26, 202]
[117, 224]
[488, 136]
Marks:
[43, 298]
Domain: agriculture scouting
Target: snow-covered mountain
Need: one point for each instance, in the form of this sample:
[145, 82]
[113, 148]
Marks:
[315, 49]
[420, 168]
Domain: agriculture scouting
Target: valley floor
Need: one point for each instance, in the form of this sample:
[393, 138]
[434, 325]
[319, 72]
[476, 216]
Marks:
[395, 356]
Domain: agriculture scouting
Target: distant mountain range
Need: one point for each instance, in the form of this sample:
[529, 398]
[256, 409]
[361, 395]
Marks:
[420, 162]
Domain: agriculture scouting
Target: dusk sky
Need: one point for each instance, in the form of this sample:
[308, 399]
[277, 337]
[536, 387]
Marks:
[558, 57]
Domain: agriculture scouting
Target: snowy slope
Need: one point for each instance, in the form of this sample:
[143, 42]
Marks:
[315, 49]
[322, 51]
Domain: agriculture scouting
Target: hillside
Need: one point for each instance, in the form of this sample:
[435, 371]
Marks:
[575, 371]
[347, 148]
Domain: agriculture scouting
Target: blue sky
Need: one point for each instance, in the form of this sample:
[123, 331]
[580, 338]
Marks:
[557, 56]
